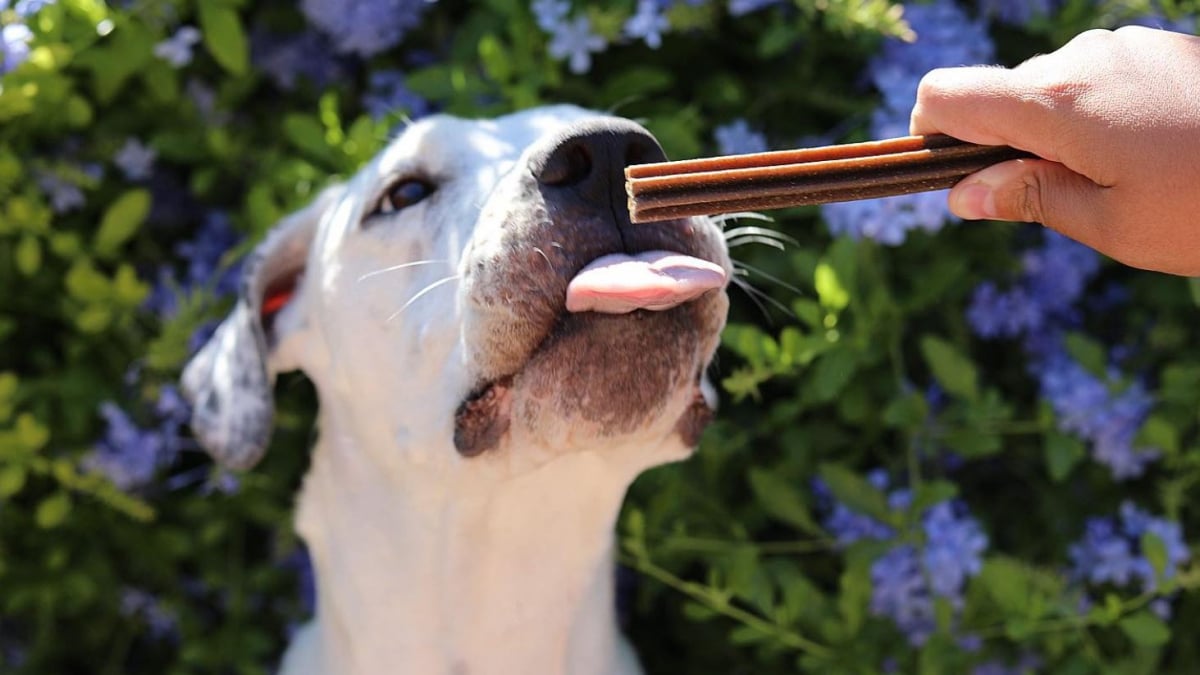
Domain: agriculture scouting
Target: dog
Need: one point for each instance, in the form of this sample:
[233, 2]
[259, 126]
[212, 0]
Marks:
[497, 353]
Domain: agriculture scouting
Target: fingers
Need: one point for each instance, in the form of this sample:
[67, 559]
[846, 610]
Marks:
[1036, 191]
[987, 105]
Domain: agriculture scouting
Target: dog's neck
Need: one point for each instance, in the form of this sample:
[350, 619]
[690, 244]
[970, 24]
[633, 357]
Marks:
[434, 568]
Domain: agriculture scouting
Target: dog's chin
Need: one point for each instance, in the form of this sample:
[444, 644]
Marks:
[601, 376]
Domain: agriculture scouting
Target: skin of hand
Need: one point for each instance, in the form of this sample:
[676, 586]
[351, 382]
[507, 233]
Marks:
[1114, 119]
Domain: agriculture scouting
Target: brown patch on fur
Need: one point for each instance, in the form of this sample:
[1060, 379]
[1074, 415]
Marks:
[695, 420]
[483, 419]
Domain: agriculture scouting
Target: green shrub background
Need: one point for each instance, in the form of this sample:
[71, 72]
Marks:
[734, 567]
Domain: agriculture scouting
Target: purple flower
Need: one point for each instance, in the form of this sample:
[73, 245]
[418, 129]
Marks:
[743, 7]
[847, 525]
[64, 195]
[14, 46]
[1017, 12]
[738, 138]
[137, 603]
[27, 8]
[648, 23]
[575, 42]
[550, 14]
[177, 49]
[205, 267]
[1085, 406]
[389, 95]
[954, 545]
[945, 37]
[1002, 314]
[1110, 551]
[899, 592]
[127, 454]
[364, 27]
[135, 160]
[908, 578]
[287, 59]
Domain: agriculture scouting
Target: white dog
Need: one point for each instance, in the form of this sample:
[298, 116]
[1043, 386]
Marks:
[497, 352]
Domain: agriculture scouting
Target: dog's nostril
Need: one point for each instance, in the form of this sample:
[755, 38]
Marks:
[566, 166]
[642, 152]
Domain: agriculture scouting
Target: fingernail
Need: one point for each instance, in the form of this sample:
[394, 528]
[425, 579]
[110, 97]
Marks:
[973, 201]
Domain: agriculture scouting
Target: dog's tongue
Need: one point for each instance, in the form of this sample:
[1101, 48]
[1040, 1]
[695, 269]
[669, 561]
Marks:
[656, 280]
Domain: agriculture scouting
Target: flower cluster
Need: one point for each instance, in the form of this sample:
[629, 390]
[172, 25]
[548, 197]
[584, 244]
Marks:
[1040, 307]
[1110, 551]
[364, 27]
[140, 604]
[15, 37]
[205, 266]
[130, 455]
[571, 39]
[177, 49]
[389, 95]
[738, 138]
[910, 578]
[946, 36]
[289, 59]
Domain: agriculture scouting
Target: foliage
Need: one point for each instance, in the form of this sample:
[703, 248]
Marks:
[943, 449]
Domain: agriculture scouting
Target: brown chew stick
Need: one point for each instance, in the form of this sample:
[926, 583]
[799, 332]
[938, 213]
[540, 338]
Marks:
[835, 173]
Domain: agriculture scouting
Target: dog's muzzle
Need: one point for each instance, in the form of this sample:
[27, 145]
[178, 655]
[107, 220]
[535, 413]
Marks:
[586, 171]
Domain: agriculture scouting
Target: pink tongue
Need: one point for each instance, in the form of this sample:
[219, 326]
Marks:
[656, 280]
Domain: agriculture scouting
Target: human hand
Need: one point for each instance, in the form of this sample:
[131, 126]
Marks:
[1114, 117]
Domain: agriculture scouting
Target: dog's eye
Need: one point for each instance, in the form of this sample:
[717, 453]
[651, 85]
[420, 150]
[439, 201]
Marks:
[403, 194]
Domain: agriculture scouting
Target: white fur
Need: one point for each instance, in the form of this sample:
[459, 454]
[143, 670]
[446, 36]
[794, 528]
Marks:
[428, 562]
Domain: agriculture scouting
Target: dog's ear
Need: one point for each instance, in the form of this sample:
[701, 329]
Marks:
[230, 381]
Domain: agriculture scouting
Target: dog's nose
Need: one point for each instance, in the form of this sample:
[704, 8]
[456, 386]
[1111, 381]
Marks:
[590, 164]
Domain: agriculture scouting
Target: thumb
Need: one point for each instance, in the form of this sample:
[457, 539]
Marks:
[1034, 191]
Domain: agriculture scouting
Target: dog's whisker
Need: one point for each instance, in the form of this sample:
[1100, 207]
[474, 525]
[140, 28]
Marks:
[723, 218]
[766, 241]
[769, 277]
[756, 296]
[421, 293]
[544, 256]
[752, 230]
[401, 266]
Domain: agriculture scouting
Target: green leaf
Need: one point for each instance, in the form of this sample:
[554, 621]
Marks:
[931, 493]
[829, 288]
[1155, 551]
[307, 134]
[1063, 453]
[1145, 629]
[12, 479]
[121, 220]
[781, 500]
[1006, 582]
[1157, 432]
[955, 372]
[906, 412]
[971, 443]
[831, 374]
[224, 37]
[28, 255]
[53, 510]
[1089, 353]
[1193, 284]
[856, 493]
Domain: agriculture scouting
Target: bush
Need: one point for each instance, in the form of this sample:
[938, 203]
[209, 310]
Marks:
[944, 447]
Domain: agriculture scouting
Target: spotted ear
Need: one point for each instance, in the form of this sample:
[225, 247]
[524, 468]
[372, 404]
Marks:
[230, 381]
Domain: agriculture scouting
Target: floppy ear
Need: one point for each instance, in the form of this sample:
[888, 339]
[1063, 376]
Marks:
[230, 381]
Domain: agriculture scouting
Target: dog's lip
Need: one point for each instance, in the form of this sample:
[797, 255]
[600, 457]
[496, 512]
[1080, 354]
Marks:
[619, 283]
